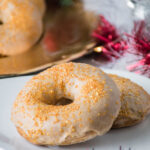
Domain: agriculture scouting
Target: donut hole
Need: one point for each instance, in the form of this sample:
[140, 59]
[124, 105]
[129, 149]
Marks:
[63, 101]
[1, 22]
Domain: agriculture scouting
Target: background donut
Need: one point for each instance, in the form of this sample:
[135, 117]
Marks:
[135, 102]
[21, 25]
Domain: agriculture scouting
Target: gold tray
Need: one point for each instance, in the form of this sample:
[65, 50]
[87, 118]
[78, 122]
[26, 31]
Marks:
[61, 21]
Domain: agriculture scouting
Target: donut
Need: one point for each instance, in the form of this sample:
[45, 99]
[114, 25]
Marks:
[94, 104]
[21, 25]
[135, 103]
[40, 4]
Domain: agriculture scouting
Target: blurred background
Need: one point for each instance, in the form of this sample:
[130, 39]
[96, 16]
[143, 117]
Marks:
[108, 34]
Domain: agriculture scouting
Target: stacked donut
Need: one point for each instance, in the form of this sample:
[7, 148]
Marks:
[73, 102]
[20, 25]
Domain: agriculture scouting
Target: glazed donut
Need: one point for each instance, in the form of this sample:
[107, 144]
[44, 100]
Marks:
[40, 4]
[95, 105]
[135, 103]
[21, 25]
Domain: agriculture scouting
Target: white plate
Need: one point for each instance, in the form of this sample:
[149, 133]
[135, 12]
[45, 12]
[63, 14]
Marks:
[136, 137]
